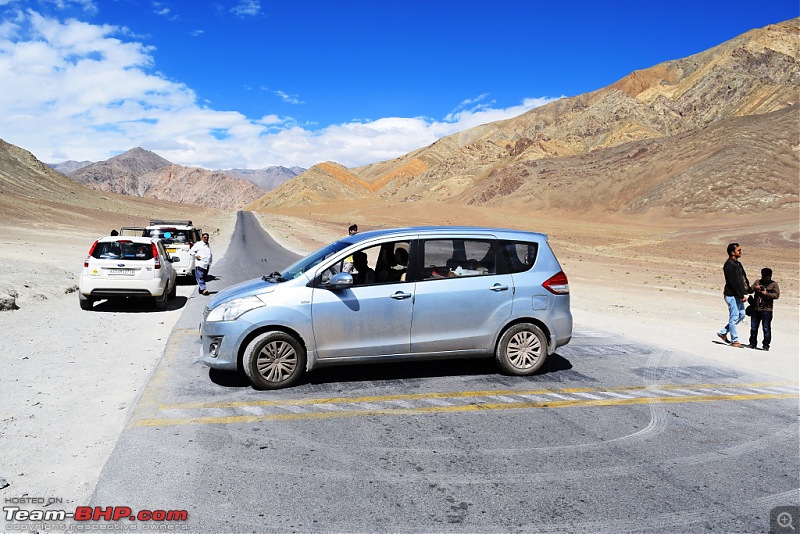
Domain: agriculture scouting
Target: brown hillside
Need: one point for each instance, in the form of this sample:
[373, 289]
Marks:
[32, 195]
[141, 173]
[324, 182]
[661, 115]
[193, 185]
[740, 164]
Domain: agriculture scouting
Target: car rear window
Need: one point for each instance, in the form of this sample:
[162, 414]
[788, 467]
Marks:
[123, 250]
[519, 256]
[170, 235]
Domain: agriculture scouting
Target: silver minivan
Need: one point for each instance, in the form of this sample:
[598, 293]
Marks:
[395, 295]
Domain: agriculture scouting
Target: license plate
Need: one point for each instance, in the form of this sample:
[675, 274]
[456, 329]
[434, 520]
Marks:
[121, 272]
[172, 250]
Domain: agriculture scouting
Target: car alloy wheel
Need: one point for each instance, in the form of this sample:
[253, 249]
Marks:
[522, 349]
[274, 360]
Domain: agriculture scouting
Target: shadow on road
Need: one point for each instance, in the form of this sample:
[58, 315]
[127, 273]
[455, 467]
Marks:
[137, 305]
[395, 371]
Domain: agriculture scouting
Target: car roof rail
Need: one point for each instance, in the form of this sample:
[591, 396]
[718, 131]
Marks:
[160, 221]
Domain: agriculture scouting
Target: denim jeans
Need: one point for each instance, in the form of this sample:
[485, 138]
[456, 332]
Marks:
[735, 316]
[200, 276]
[765, 318]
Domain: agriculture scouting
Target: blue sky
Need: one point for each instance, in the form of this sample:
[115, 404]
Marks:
[255, 83]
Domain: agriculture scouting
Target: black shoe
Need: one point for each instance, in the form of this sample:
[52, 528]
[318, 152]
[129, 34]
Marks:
[751, 346]
[766, 348]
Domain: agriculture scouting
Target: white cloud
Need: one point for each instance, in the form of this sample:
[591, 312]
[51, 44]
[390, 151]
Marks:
[73, 90]
[289, 99]
[247, 8]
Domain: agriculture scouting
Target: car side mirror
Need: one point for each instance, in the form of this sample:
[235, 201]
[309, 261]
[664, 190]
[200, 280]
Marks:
[340, 281]
[174, 259]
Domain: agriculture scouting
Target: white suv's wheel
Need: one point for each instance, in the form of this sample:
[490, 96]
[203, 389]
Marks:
[274, 360]
[161, 301]
[85, 302]
[522, 349]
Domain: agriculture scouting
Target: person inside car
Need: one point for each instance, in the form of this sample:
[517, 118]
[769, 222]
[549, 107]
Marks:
[362, 274]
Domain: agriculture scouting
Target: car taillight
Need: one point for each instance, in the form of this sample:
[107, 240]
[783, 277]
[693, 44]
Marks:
[557, 284]
[91, 250]
[156, 257]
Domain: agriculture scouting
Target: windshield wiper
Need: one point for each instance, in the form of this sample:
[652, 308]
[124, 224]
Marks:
[274, 277]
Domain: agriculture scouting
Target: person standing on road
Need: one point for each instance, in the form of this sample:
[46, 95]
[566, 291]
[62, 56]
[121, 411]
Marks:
[765, 291]
[736, 286]
[202, 256]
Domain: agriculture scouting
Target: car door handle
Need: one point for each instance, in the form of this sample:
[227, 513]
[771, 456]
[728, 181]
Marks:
[498, 287]
[400, 295]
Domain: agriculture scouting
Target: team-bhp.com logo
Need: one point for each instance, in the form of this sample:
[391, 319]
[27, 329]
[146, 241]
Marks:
[96, 514]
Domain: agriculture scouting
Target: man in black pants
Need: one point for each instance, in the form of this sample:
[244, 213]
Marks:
[765, 291]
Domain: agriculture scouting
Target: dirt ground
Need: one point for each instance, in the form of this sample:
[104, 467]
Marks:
[73, 376]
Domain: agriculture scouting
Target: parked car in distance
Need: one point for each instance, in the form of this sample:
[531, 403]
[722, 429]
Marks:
[178, 237]
[415, 293]
[127, 266]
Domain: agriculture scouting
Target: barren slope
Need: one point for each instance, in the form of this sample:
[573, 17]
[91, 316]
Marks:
[640, 143]
[32, 195]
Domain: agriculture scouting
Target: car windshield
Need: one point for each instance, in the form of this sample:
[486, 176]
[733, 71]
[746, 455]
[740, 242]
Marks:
[169, 235]
[123, 250]
[309, 262]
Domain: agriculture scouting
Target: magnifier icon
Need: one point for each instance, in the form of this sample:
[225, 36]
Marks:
[785, 520]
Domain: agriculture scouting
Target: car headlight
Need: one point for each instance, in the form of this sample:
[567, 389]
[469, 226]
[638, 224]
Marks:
[233, 309]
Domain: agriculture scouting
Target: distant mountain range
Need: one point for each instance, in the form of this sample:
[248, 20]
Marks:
[714, 132]
[267, 178]
[139, 172]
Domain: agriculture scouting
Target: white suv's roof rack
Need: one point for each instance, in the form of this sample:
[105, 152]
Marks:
[154, 222]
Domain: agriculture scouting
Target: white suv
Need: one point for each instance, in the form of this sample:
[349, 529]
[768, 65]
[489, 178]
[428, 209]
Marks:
[178, 237]
[127, 266]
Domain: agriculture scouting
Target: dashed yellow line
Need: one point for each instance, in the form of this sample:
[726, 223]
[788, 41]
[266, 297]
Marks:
[447, 395]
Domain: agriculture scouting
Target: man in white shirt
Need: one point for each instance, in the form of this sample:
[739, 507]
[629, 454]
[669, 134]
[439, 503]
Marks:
[202, 256]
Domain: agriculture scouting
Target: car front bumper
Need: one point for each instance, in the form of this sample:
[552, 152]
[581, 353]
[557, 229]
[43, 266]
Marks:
[221, 341]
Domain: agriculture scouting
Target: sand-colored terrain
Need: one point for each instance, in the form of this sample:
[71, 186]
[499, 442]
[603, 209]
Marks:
[73, 376]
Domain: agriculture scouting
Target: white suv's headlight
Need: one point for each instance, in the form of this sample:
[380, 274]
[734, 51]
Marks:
[233, 309]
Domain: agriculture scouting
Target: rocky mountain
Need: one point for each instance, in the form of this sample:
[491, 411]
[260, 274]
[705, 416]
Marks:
[34, 194]
[70, 166]
[714, 132]
[139, 172]
[267, 178]
[193, 185]
[120, 174]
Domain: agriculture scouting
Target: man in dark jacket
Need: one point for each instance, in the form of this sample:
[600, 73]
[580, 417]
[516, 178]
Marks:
[736, 286]
[765, 291]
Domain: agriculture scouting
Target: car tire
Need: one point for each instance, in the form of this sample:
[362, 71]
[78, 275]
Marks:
[173, 292]
[161, 302]
[522, 349]
[274, 360]
[85, 302]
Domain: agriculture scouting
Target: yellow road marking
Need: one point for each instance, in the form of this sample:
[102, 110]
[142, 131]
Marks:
[463, 408]
[149, 398]
[452, 395]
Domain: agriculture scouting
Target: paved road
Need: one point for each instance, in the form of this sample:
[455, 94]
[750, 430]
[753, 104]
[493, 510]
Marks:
[610, 437]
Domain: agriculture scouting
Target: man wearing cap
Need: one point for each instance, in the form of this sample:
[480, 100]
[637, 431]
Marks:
[765, 291]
